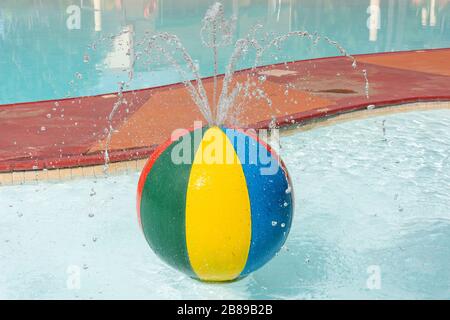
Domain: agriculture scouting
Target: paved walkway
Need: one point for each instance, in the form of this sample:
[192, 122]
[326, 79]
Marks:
[72, 132]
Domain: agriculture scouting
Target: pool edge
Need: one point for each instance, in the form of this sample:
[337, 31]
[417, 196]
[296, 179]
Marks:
[135, 165]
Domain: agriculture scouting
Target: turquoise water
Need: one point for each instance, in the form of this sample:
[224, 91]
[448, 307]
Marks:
[372, 211]
[42, 58]
[372, 221]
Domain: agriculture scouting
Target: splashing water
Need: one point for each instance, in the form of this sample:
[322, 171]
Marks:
[120, 101]
[216, 32]
[241, 48]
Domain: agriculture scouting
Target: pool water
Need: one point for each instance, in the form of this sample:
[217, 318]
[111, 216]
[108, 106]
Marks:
[48, 51]
[372, 220]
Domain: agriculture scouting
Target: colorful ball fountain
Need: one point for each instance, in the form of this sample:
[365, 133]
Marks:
[215, 203]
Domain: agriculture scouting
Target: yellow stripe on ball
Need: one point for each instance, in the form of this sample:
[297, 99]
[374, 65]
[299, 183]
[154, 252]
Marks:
[218, 218]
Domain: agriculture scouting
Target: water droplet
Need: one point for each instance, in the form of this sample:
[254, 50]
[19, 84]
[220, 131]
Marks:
[283, 225]
[370, 107]
[274, 223]
[86, 58]
[49, 115]
[43, 128]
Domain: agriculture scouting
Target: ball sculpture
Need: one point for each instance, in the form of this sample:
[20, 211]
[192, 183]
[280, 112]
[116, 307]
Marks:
[215, 203]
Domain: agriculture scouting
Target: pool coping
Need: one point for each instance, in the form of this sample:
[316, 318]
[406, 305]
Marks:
[24, 170]
[136, 165]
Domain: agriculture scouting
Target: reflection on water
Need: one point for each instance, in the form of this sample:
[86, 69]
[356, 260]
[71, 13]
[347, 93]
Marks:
[44, 43]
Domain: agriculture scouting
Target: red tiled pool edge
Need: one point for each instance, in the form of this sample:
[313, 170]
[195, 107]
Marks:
[84, 160]
[338, 105]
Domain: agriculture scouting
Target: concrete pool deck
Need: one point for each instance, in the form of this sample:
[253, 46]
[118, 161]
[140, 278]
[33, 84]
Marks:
[71, 133]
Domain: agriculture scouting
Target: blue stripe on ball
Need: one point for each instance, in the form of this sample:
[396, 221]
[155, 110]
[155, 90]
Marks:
[270, 200]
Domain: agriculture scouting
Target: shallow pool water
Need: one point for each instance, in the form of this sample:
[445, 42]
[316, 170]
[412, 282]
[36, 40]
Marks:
[57, 48]
[372, 220]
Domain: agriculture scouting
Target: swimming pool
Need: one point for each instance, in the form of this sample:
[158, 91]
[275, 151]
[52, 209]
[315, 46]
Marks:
[49, 54]
[372, 199]
[372, 207]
